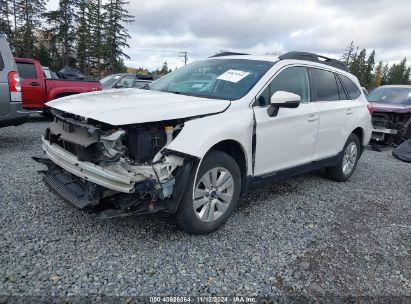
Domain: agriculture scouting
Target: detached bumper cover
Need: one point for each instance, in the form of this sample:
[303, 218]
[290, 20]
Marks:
[74, 192]
[88, 171]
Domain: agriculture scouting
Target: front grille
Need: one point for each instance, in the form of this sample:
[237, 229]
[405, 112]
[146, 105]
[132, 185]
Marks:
[390, 120]
[75, 140]
[380, 120]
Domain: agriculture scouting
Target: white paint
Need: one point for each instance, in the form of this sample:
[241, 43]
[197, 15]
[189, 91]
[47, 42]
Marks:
[131, 106]
[286, 140]
[294, 137]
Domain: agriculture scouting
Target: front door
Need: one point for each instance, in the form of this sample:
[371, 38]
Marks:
[33, 90]
[288, 139]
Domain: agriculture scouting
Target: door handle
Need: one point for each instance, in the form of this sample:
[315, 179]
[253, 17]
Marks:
[349, 112]
[313, 117]
[34, 84]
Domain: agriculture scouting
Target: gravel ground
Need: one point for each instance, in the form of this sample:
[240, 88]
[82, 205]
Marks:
[306, 236]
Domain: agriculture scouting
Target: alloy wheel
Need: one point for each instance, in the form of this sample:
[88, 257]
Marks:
[213, 194]
[350, 158]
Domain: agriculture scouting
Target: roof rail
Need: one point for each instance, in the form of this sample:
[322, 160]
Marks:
[315, 58]
[226, 54]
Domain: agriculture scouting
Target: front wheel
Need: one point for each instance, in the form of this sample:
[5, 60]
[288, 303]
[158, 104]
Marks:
[211, 197]
[347, 161]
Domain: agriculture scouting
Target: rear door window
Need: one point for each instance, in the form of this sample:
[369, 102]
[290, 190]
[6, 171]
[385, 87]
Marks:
[326, 88]
[352, 90]
[26, 70]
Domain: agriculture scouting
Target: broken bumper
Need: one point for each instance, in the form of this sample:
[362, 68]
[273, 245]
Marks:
[378, 134]
[71, 190]
[88, 171]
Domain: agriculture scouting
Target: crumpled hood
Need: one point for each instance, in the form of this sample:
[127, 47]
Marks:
[130, 106]
[390, 107]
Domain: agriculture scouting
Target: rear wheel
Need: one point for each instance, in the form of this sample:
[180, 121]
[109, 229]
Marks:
[347, 163]
[211, 199]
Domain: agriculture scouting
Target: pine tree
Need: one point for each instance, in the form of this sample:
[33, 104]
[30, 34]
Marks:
[29, 13]
[116, 34]
[407, 76]
[61, 30]
[357, 65]
[368, 72]
[84, 47]
[377, 76]
[399, 73]
[97, 20]
[5, 15]
[385, 72]
[348, 53]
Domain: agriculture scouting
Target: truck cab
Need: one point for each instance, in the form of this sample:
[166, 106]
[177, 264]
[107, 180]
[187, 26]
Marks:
[37, 89]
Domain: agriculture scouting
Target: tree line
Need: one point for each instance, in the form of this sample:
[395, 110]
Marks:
[87, 34]
[372, 75]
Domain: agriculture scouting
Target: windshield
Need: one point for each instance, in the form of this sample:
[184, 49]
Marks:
[140, 83]
[109, 80]
[394, 95]
[227, 79]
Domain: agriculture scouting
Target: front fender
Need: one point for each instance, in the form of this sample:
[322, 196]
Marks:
[199, 135]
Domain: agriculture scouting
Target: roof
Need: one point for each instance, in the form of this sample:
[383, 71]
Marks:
[249, 57]
[397, 86]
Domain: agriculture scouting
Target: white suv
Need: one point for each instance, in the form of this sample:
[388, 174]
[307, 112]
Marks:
[197, 139]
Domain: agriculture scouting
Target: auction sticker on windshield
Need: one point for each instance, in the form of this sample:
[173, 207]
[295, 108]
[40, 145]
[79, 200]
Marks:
[233, 75]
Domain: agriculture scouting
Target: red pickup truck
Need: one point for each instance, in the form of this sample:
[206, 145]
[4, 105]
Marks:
[37, 89]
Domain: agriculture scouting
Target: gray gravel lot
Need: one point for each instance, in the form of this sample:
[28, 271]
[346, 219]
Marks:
[306, 236]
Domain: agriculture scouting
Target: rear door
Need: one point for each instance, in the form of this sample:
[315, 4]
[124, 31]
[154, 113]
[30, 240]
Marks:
[335, 112]
[32, 85]
[4, 72]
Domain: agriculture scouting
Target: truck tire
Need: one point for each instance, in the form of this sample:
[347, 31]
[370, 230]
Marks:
[211, 196]
[347, 162]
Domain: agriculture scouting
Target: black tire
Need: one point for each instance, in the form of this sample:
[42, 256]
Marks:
[336, 173]
[186, 218]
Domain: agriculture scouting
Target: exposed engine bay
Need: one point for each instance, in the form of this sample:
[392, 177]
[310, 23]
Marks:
[114, 171]
[391, 128]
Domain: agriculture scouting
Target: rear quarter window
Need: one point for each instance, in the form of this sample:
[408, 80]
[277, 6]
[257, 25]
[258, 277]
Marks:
[341, 91]
[352, 90]
[325, 85]
[26, 70]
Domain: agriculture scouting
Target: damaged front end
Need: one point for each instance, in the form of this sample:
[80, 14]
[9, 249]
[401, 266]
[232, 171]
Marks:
[115, 171]
[391, 128]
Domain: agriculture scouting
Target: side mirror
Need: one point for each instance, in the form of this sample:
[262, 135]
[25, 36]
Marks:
[119, 86]
[283, 99]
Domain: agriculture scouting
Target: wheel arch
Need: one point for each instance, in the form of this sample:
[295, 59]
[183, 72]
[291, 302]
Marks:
[361, 134]
[237, 151]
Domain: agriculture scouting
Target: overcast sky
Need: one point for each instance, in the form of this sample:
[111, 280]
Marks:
[204, 27]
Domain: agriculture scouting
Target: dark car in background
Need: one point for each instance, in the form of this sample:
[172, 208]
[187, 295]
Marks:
[391, 116]
[118, 81]
[11, 108]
